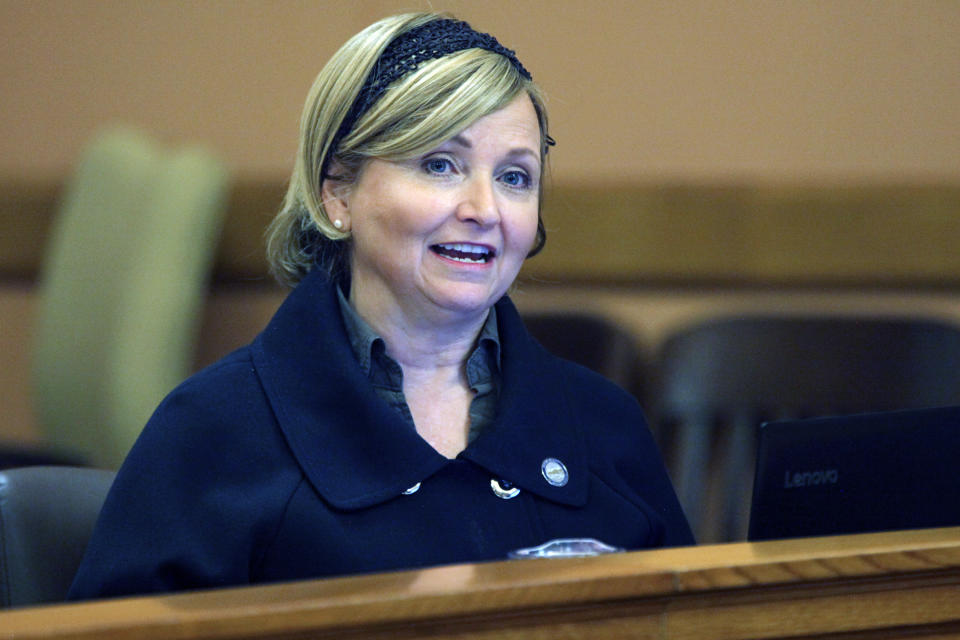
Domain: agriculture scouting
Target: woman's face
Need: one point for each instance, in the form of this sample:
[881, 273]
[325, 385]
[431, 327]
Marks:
[444, 234]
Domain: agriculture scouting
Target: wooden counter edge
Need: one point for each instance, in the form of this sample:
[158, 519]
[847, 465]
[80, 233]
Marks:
[458, 591]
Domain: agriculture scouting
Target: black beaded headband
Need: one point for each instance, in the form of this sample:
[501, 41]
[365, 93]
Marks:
[404, 54]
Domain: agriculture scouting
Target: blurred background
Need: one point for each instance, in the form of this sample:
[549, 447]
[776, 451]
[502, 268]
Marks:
[714, 158]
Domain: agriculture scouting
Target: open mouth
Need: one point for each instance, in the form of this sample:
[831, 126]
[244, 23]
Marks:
[468, 253]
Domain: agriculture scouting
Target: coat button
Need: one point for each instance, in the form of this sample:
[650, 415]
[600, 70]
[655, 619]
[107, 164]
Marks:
[412, 489]
[504, 489]
[554, 472]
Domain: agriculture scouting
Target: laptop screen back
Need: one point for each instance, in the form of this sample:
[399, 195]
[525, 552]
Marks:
[857, 474]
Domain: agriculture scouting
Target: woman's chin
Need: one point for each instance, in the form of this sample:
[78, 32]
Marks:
[465, 300]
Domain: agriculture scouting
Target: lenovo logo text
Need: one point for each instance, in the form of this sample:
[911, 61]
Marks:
[793, 480]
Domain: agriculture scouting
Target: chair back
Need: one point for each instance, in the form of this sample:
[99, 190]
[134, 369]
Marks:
[593, 341]
[121, 291]
[717, 381]
[46, 518]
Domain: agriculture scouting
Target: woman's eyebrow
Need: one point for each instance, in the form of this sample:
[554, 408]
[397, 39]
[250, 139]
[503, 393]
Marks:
[524, 151]
[463, 142]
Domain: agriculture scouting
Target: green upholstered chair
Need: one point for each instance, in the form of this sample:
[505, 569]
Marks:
[122, 290]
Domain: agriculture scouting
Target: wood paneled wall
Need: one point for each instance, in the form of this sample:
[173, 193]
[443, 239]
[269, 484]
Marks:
[865, 235]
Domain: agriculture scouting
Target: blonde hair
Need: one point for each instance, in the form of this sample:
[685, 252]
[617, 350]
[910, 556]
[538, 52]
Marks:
[419, 111]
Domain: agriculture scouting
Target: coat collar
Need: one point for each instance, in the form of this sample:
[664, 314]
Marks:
[358, 452]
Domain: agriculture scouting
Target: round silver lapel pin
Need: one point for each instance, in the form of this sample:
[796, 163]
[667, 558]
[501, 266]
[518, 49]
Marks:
[554, 472]
[412, 489]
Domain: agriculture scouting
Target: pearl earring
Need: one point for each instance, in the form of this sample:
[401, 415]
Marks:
[338, 223]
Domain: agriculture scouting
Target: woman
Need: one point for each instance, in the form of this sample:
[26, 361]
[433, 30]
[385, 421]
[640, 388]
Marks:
[394, 413]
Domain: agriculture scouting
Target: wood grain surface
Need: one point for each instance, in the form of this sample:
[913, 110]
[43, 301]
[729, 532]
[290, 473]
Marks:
[864, 586]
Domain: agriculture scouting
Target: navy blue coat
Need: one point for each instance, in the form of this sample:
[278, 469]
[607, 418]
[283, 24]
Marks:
[280, 462]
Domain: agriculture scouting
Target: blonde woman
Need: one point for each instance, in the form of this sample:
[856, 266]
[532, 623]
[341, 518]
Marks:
[394, 413]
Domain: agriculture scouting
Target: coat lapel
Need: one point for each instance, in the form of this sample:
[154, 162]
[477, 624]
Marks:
[535, 420]
[356, 450]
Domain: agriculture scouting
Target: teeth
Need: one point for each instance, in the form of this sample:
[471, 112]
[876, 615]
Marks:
[469, 253]
[465, 248]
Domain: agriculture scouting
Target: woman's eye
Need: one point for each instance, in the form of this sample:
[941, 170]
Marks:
[516, 179]
[438, 165]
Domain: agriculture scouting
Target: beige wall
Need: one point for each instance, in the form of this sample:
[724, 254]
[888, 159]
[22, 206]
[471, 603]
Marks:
[735, 91]
[794, 90]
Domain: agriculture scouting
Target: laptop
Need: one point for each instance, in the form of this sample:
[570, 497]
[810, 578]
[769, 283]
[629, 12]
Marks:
[857, 474]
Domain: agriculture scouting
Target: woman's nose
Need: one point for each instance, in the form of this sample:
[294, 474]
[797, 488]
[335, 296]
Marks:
[478, 204]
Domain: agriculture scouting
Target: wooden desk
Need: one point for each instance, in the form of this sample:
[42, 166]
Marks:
[880, 585]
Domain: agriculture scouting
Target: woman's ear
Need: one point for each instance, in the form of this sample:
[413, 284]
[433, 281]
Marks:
[335, 197]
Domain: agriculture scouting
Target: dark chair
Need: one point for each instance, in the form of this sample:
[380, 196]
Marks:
[46, 517]
[16, 454]
[593, 341]
[717, 381]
